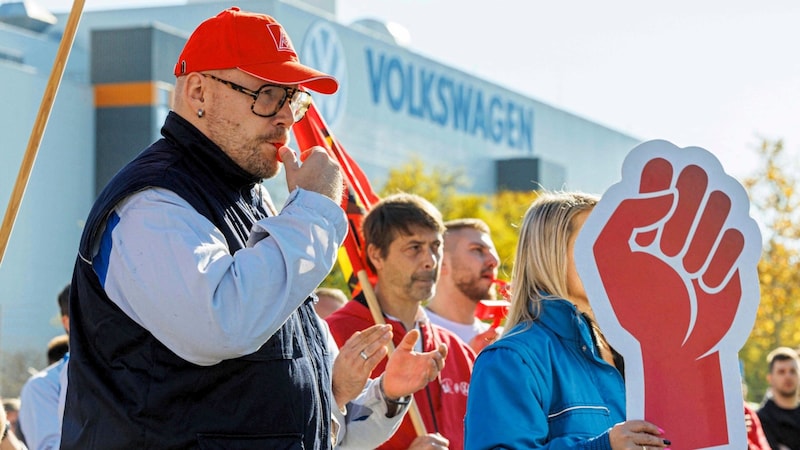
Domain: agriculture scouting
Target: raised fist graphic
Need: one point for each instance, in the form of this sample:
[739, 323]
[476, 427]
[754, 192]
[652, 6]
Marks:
[668, 259]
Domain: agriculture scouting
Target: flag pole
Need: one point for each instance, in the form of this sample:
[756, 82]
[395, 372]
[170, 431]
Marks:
[363, 278]
[316, 132]
[377, 316]
[39, 125]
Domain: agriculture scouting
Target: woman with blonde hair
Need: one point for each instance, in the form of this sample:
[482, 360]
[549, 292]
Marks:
[552, 381]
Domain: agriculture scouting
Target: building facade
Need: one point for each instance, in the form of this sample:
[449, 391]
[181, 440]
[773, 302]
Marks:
[393, 104]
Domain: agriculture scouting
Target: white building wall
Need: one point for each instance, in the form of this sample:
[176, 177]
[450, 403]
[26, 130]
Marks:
[41, 251]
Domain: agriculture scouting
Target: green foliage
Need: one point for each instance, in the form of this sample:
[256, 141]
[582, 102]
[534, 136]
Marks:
[506, 209]
[775, 201]
[439, 185]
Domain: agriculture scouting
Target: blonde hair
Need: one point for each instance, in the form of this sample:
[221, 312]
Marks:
[540, 266]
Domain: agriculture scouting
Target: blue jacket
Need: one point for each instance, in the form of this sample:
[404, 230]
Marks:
[544, 385]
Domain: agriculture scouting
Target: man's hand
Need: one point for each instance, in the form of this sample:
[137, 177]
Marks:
[431, 441]
[481, 340]
[318, 172]
[408, 371]
[351, 369]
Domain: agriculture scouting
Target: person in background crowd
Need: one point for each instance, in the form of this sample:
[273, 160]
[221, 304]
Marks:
[403, 238]
[192, 316]
[780, 413]
[552, 380]
[469, 271]
[756, 440]
[11, 405]
[8, 440]
[57, 348]
[39, 415]
[328, 301]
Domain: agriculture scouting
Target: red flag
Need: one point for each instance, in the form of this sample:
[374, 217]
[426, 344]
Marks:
[358, 198]
[356, 201]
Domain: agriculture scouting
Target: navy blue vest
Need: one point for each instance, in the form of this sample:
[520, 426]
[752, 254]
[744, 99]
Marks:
[127, 390]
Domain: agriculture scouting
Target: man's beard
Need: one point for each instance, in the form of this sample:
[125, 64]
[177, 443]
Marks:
[258, 165]
[786, 393]
[252, 155]
[472, 289]
[417, 291]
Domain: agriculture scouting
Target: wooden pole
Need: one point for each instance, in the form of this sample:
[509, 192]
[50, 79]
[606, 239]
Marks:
[35, 140]
[377, 316]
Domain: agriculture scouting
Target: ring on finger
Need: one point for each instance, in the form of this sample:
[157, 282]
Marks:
[363, 355]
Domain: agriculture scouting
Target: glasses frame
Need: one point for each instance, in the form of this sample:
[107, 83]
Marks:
[288, 93]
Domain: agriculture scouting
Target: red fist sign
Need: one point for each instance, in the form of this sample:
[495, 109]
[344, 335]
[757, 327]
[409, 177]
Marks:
[669, 261]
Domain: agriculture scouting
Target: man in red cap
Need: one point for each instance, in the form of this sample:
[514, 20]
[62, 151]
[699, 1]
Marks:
[192, 324]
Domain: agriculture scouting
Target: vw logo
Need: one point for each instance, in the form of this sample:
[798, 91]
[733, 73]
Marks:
[323, 51]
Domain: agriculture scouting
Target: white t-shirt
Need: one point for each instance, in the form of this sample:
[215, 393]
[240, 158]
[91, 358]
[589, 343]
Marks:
[464, 331]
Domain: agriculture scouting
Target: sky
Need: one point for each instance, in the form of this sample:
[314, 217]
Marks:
[718, 74]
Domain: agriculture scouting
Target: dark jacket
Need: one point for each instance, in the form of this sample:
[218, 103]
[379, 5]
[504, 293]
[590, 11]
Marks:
[781, 426]
[127, 390]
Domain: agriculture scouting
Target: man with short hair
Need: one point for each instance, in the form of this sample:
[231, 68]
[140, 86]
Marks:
[8, 437]
[328, 300]
[780, 414]
[57, 348]
[11, 405]
[469, 273]
[39, 414]
[191, 308]
[403, 238]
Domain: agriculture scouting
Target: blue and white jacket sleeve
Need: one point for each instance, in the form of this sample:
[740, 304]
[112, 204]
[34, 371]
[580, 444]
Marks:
[170, 270]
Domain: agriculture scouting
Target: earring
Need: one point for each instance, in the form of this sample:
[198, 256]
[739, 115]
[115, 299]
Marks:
[200, 113]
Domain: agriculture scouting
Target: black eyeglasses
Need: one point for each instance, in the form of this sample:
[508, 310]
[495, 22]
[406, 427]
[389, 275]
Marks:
[270, 98]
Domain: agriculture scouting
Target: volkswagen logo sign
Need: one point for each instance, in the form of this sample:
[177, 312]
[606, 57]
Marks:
[323, 51]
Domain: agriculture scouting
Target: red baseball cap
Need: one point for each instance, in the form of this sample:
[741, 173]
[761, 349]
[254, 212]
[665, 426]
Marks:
[253, 43]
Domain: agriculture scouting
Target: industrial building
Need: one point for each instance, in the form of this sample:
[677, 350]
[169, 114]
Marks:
[392, 104]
